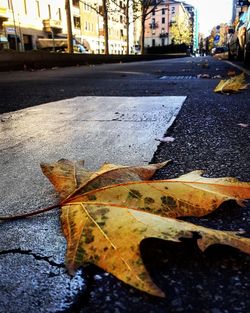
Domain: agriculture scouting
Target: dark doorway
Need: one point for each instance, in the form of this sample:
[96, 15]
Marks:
[27, 42]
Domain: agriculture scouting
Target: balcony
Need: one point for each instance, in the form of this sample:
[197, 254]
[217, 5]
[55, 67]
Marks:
[163, 35]
[3, 14]
[101, 32]
[153, 25]
[52, 25]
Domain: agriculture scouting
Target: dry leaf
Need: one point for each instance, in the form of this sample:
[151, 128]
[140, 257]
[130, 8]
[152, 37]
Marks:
[243, 125]
[231, 73]
[105, 226]
[188, 195]
[217, 76]
[70, 178]
[166, 139]
[203, 76]
[234, 84]
[109, 236]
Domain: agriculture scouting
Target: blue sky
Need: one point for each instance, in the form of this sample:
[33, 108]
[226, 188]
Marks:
[212, 13]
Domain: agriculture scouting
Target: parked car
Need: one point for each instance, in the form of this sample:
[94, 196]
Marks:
[59, 45]
[220, 49]
[236, 39]
[247, 39]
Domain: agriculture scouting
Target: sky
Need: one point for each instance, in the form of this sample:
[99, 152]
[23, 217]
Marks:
[212, 12]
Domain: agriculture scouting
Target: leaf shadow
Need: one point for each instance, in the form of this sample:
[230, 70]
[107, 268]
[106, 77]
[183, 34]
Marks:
[196, 280]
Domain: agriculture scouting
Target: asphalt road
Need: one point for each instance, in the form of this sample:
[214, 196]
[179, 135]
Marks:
[207, 136]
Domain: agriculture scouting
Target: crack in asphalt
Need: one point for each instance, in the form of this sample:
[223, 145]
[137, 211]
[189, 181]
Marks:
[34, 255]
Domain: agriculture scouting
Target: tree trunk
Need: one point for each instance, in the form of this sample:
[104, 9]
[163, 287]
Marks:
[127, 25]
[69, 27]
[105, 26]
[142, 34]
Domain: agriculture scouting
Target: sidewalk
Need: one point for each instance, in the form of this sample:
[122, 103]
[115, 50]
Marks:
[119, 130]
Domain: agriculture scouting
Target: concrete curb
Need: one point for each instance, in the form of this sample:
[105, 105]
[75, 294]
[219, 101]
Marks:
[11, 61]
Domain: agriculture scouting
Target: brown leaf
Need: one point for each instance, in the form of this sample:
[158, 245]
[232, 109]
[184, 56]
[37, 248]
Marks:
[203, 76]
[166, 139]
[231, 73]
[243, 125]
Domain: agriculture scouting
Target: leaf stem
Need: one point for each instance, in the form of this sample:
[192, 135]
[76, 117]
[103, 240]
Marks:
[24, 215]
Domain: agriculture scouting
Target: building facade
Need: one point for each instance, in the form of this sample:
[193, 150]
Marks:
[193, 17]
[29, 20]
[159, 30]
[24, 22]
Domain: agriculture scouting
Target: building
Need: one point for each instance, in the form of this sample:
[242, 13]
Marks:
[193, 13]
[24, 23]
[4, 16]
[167, 24]
[29, 20]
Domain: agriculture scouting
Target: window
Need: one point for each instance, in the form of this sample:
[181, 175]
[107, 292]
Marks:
[153, 12]
[163, 11]
[173, 10]
[77, 21]
[75, 3]
[25, 6]
[121, 32]
[162, 41]
[153, 20]
[153, 42]
[163, 20]
[49, 10]
[38, 9]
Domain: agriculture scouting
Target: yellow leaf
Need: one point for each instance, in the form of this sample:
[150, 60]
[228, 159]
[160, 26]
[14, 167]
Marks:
[109, 236]
[188, 195]
[70, 178]
[66, 175]
[105, 226]
[234, 84]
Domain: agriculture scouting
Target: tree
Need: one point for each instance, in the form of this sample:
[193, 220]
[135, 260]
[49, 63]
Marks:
[180, 30]
[143, 8]
[69, 26]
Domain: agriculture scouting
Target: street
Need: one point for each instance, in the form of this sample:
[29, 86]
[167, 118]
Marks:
[208, 135]
[22, 89]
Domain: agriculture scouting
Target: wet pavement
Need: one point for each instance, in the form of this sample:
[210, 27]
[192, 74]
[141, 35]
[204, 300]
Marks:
[208, 135]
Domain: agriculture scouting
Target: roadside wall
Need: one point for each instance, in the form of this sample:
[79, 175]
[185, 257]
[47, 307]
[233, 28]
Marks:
[37, 60]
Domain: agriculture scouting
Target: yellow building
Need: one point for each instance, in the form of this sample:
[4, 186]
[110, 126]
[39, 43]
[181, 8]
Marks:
[30, 20]
[4, 16]
[24, 23]
[88, 27]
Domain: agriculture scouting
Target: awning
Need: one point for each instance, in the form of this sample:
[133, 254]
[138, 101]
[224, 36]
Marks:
[86, 44]
[43, 43]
